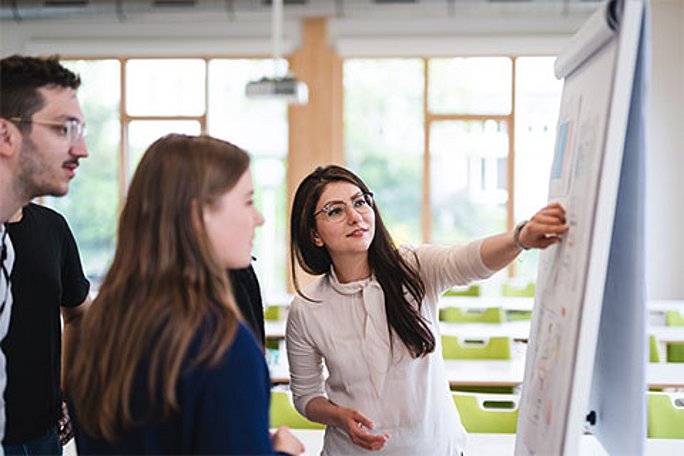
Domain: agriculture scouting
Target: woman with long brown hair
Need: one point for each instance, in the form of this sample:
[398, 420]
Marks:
[165, 364]
[372, 318]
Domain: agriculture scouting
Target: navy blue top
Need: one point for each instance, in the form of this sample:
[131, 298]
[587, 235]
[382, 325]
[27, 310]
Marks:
[222, 409]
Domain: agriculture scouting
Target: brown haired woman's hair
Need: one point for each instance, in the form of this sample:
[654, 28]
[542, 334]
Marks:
[164, 284]
[395, 275]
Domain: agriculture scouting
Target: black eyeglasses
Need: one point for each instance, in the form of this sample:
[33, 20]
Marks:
[338, 211]
[72, 129]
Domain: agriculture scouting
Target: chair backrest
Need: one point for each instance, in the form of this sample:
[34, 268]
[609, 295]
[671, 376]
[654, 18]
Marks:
[675, 352]
[488, 413]
[513, 291]
[458, 315]
[666, 415]
[518, 315]
[468, 348]
[654, 352]
[283, 413]
[472, 290]
[272, 313]
[674, 318]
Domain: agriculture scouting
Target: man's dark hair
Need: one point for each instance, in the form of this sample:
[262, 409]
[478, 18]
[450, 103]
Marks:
[20, 79]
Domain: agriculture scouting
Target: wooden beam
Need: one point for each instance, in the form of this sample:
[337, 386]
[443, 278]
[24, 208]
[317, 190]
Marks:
[316, 129]
[316, 135]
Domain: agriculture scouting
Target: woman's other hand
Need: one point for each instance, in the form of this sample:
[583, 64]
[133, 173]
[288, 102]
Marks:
[284, 441]
[355, 425]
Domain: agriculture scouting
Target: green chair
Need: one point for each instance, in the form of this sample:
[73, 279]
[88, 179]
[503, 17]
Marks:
[518, 315]
[666, 415]
[675, 351]
[513, 291]
[283, 413]
[488, 413]
[674, 318]
[272, 313]
[472, 290]
[493, 348]
[654, 352]
[459, 315]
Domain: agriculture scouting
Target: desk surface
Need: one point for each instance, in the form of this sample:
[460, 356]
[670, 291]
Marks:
[517, 330]
[275, 329]
[504, 444]
[667, 334]
[482, 302]
[511, 373]
[506, 303]
[663, 305]
[477, 372]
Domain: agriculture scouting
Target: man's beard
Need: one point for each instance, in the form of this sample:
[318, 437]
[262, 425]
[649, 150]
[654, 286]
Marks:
[33, 173]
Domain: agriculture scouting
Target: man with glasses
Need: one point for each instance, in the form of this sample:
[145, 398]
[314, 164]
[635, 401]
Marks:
[41, 142]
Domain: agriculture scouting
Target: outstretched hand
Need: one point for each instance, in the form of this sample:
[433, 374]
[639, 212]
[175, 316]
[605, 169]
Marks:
[545, 228]
[355, 424]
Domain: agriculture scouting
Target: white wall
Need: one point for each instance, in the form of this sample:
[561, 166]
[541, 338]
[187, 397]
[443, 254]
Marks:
[145, 36]
[665, 162]
[487, 28]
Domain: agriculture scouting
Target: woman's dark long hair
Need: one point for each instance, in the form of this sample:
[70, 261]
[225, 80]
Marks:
[395, 275]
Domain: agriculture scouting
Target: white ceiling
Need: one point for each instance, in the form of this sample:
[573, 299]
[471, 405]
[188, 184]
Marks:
[27, 10]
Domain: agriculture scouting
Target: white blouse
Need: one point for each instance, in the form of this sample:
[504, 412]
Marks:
[407, 398]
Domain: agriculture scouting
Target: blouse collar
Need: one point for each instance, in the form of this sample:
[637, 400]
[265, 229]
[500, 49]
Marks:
[349, 287]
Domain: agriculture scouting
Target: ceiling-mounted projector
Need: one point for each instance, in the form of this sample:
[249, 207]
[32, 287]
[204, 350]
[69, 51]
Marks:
[286, 88]
[282, 85]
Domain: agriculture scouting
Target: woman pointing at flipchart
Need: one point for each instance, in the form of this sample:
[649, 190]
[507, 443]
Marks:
[372, 318]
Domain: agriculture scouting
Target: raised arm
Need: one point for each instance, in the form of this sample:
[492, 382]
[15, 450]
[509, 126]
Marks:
[545, 228]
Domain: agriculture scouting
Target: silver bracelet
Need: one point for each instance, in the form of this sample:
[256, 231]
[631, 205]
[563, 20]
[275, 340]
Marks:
[516, 235]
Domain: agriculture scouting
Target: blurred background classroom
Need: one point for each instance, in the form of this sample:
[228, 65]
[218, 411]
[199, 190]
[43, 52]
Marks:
[448, 110]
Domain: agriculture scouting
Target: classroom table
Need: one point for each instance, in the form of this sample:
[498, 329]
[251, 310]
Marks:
[665, 375]
[517, 330]
[663, 305]
[480, 372]
[504, 444]
[275, 329]
[504, 302]
[667, 334]
[484, 302]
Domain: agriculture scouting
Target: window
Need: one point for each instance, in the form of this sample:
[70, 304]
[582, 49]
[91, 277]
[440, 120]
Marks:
[163, 96]
[384, 137]
[92, 205]
[538, 96]
[454, 148]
